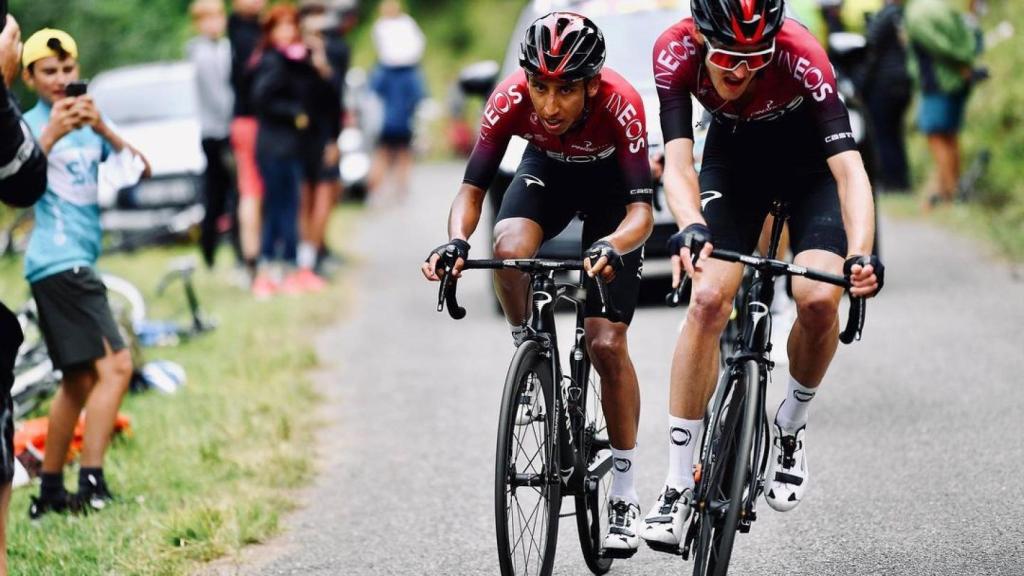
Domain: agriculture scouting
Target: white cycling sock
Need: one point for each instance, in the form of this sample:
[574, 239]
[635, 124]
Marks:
[682, 439]
[792, 413]
[306, 257]
[623, 479]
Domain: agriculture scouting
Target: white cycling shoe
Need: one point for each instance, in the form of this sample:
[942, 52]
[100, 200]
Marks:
[665, 524]
[787, 470]
[622, 540]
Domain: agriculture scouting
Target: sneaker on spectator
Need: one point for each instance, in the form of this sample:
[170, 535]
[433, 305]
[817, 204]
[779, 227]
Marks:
[302, 281]
[64, 503]
[263, 287]
[310, 281]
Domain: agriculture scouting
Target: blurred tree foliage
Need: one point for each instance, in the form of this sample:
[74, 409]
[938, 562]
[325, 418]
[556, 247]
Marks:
[110, 33]
[995, 121]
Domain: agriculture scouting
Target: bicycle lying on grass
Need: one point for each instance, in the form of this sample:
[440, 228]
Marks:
[735, 447]
[552, 437]
[35, 377]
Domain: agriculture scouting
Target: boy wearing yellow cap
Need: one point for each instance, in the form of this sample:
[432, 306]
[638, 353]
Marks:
[74, 316]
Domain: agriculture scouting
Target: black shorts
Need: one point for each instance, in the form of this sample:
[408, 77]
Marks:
[737, 192]
[75, 317]
[552, 193]
[395, 141]
[10, 341]
[314, 169]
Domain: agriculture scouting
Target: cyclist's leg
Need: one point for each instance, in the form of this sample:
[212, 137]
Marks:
[820, 243]
[534, 209]
[735, 219]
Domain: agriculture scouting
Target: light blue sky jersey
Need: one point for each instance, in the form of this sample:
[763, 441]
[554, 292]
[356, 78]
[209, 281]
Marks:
[67, 229]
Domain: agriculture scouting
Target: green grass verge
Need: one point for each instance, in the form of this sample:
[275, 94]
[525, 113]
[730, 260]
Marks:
[211, 469]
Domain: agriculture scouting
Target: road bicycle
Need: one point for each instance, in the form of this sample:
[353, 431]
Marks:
[735, 447]
[552, 436]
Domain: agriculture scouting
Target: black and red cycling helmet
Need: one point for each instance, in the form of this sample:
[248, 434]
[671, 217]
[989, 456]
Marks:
[562, 46]
[738, 22]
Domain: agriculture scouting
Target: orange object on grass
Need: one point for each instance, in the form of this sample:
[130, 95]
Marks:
[33, 432]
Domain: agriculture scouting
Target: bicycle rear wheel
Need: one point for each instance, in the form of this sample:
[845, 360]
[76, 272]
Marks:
[527, 495]
[592, 441]
[725, 471]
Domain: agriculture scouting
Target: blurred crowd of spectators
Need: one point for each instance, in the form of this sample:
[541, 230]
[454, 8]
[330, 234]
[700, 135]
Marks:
[922, 48]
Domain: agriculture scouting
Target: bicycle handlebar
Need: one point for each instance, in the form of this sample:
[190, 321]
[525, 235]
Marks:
[858, 305]
[446, 294]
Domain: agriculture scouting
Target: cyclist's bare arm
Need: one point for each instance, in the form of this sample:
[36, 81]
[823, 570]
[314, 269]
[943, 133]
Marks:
[858, 208]
[682, 192]
[462, 222]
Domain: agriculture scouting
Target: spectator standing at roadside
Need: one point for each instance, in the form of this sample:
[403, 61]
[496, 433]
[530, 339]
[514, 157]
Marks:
[944, 48]
[321, 182]
[282, 81]
[400, 44]
[74, 316]
[244, 33]
[210, 54]
[22, 182]
[887, 86]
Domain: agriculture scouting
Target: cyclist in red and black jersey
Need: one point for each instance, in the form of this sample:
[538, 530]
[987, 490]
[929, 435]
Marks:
[779, 131]
[587, 154]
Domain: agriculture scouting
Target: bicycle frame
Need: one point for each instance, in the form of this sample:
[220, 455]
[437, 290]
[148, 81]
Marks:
[573, 472]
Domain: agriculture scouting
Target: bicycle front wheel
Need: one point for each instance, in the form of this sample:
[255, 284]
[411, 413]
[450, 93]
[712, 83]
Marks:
[527, 495]
[592, 441]
[725, 471]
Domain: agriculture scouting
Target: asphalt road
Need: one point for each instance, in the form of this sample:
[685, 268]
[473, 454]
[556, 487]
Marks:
[916, 444]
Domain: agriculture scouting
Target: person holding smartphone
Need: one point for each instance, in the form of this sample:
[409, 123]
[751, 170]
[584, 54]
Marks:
[74, 314]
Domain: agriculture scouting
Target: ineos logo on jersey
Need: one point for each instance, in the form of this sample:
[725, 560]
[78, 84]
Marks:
[581, 159]
[813, 78]
[629, 118]
[680, 436]
[501, 103]
[622, 465]
[671, 57]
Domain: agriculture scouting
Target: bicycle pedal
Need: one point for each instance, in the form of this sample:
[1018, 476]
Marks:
[672, 549]
[616, 554]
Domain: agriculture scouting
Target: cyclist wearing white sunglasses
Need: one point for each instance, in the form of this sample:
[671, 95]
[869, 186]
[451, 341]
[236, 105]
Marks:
[780, 131]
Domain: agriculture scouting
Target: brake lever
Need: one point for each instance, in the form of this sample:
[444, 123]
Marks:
[675, 296]
[855, 322]
[608, 309]
[446, 295]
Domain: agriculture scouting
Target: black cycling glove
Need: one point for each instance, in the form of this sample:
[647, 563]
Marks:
[864, 261]
[449, 253]
[604, 248]
[694, 236]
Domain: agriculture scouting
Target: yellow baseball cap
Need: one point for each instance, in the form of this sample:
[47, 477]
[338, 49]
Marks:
[43, 44]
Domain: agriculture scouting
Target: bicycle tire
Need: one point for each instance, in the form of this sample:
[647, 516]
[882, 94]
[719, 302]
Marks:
[728, 465]
[528, 365]
[591, 505]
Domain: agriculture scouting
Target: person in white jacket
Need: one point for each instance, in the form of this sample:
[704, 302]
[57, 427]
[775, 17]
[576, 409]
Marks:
[400, 44]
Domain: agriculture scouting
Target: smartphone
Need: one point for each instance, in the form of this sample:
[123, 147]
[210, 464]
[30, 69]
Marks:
[76, 88]
[3, 14]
